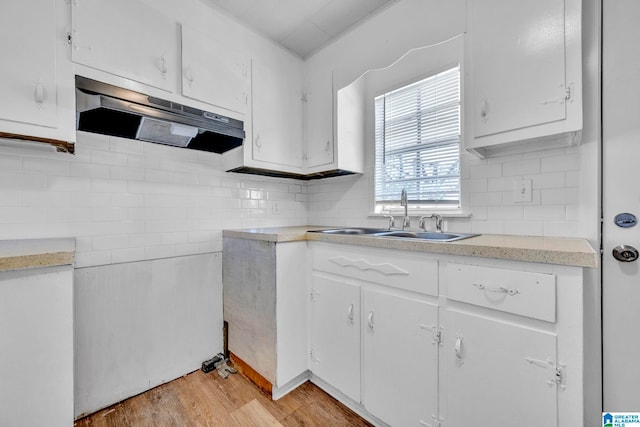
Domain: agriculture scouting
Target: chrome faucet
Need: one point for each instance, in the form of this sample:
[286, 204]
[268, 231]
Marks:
[406, 222]
[438, 218]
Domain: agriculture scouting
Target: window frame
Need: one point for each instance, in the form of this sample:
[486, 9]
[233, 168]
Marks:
[414, 65]
[416, 207]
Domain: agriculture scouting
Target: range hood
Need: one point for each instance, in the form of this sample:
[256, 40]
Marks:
[111, 110]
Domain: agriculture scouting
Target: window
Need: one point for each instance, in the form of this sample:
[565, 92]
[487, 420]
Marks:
[417, 136]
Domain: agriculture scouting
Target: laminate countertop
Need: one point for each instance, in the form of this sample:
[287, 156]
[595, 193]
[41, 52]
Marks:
[36, 253]
[546, 250]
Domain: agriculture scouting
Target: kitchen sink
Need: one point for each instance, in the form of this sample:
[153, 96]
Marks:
[353, 231]
[440, 237]
[406, 234]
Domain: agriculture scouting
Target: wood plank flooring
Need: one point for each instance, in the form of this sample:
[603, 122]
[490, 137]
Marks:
[200, 399]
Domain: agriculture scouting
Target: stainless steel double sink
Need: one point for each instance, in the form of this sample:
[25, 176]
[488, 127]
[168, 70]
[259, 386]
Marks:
[405, 234]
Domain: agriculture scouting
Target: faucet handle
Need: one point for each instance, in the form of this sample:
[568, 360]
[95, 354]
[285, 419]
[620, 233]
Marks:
[422, 223]
[392, 221]
[438, 219]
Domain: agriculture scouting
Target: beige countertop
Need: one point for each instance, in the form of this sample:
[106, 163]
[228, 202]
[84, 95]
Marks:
[36, 253]
[546, 250]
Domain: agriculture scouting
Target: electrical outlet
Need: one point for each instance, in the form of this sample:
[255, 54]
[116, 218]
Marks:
[275, 208]
[522, 191]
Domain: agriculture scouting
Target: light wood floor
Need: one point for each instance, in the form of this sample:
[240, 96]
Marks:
[200, 399]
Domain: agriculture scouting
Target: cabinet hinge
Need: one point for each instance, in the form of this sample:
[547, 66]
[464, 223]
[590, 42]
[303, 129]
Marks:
[567, 93]
[556, 373]
[436, 419]
[303, 97]
[436, 331]
[69, 38]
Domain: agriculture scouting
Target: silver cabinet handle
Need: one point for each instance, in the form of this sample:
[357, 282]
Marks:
[458, 348]
[350, 313]
[484, 109]
[370, 320]
[188, 75]
[499, 289]
[38, 93]
[163, 66]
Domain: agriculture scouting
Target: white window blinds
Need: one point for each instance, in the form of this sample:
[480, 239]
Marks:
[417, 133]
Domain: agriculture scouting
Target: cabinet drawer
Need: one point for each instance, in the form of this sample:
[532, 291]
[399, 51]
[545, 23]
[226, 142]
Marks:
[518, 292]
[404, 270]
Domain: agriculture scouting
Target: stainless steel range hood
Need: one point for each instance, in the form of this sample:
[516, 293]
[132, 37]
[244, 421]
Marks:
[111, 110]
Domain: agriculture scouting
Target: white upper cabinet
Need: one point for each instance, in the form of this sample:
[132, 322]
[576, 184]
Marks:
[524, 75]
[215, 71]
[126, 38]
[277, 114]
[33, 79]
[28, 76]
[319, 120]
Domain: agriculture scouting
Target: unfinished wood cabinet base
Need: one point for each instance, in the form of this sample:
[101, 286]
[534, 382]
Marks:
[251, 374]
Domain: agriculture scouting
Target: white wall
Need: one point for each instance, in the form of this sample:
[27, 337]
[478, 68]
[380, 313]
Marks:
[140, 324]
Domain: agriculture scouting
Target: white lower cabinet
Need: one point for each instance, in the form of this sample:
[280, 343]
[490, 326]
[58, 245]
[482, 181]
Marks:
[335, 333]
[415, 339]
[36, 361]
[499, 373]
[374, 331]
[400, 372]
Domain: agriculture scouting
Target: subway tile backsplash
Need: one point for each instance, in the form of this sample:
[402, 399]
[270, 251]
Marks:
[127, 200]
[489, 196]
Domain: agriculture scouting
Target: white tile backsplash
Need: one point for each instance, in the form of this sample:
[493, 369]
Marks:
[489, 185]
[128, 200]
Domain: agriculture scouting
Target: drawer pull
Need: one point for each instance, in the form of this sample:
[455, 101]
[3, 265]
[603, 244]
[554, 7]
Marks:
[370, 320]
[386, 269]
[350, 313]
[498, 290]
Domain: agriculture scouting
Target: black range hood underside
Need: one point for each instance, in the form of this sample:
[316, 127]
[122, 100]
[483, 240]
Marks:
[277, 174]
[117, 123]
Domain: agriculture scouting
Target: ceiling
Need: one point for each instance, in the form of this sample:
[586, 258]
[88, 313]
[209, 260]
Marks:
[302, 26]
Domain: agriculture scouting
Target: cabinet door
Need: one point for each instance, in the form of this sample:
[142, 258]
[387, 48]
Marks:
[277, 113]
[499, 373]
[214, 71]
[518, 64]
[335, 333]
[400, 375]
[126, 38]
[28, 74]
[319, 120]
[36, 330]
